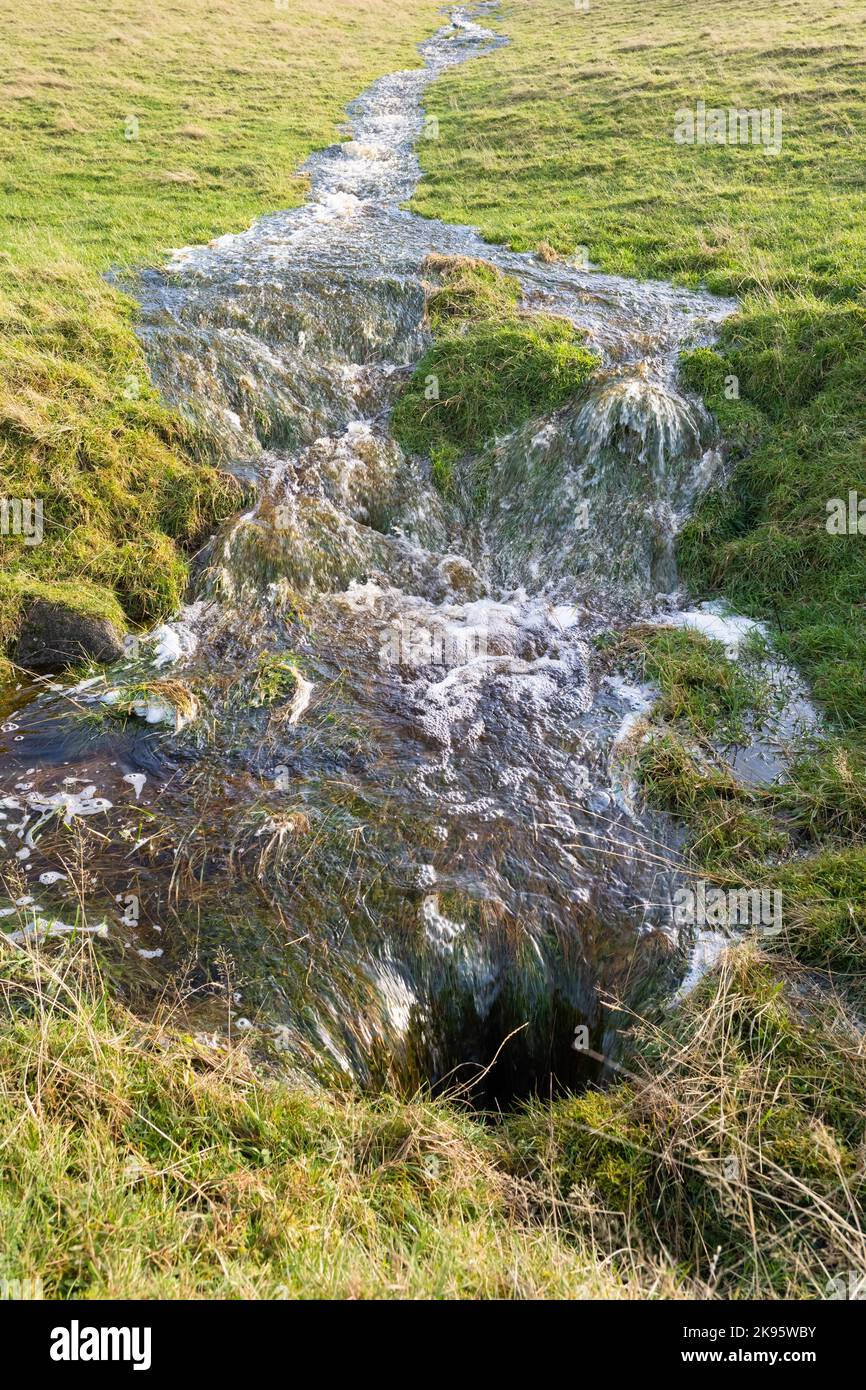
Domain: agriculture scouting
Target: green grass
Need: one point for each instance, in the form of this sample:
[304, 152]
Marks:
[826, 897]
[764, 542]
[229, 98]
[490, 367]
[564, 138]
[804, 836]
[825, 793]
[715, 698]
[275, 678]
[733, 1145]
[730, 830]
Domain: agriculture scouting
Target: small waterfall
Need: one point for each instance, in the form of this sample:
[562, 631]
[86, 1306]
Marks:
[589, 503]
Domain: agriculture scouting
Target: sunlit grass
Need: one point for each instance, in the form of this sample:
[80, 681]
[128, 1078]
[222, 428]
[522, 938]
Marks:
[490, 367]
[137, 1161]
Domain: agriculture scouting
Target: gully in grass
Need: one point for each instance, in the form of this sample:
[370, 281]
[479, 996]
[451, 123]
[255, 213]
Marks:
[389, 812]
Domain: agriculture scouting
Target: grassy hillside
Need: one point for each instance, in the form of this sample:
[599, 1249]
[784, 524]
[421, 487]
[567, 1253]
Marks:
[224, 98]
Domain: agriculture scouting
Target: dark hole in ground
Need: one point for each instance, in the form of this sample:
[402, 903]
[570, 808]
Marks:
[496, 1062]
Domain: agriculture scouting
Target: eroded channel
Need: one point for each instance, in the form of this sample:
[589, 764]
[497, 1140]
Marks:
[371, 793]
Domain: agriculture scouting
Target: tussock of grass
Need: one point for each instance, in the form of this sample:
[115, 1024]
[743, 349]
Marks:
[825, 897]
[700, 687]
[276, 677]
[173, 697]
[466, 290]
[677, 778]
[825, 793]
[736, 1143]
[731, 829]
[491, 366]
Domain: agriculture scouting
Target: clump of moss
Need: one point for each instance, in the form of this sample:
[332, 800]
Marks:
[126, 485]
[490, 368]
[595, 1139]
[18, 589]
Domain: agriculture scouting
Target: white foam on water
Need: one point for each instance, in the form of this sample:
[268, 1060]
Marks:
[71, 804]
[154, 711]
[136, 780]
[705, 953]
[441, 931]
[45, 927]
[301, 699]
[714, 621]
[395, 994]
[337, 205]
[172, 642]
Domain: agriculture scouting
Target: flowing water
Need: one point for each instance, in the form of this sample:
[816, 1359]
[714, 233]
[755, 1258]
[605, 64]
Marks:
[434, 842]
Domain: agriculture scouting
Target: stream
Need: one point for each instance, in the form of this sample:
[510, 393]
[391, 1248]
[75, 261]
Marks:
[428, 861]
